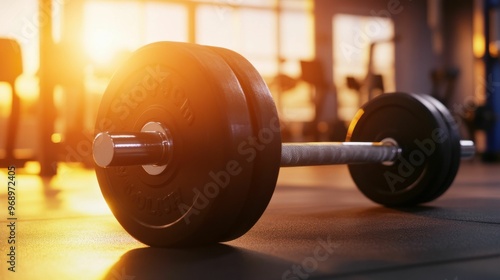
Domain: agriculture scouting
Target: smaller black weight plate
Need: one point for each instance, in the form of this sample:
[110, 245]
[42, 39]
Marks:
[263, 150]
[454, 145]
[440, 178]
[195, 94]
[422, 134]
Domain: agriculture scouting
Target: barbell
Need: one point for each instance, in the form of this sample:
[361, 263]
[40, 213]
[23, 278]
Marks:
[188, 146]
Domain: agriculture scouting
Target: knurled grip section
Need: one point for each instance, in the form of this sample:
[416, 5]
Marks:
[326, 153]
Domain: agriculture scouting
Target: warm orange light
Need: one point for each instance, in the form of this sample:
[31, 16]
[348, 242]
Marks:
[478, 40]
[5, 100]
[99, 46]
[56, 138]
[354, 122]
[478, 45]
[26, 87]
[494, 48]
[111, 27]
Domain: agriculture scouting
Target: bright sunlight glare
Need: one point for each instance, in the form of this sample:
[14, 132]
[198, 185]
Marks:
[100, 46]
[110, 28]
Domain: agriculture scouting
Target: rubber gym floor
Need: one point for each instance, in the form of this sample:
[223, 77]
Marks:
[317, 226]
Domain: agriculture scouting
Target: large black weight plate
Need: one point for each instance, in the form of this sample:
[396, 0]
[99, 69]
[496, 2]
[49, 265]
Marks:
[422, 133]
[264, 150]
[194, 93]
[450, 173]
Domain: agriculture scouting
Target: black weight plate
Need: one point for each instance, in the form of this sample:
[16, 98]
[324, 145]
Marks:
[417, 127]
[436, 185]
[440, 177]
[197, 97]
[454, 145]
[264, 151]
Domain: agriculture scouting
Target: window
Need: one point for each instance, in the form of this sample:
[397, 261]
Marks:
[352, 37]
[110, 27]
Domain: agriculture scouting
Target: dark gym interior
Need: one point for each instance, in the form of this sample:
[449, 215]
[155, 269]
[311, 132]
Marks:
[321, 60]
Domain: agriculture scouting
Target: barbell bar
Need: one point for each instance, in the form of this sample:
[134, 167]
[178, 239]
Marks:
[188, 146]
[151, 148]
